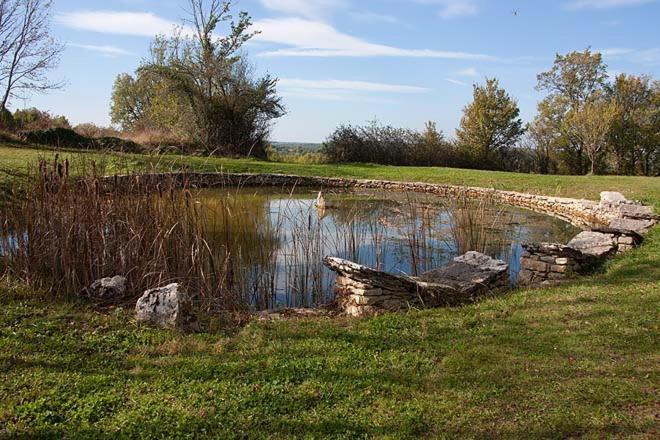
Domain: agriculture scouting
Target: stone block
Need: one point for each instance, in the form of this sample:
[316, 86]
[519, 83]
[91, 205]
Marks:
[624, 239]
[561, 261]
[559, 268]
[536, 266]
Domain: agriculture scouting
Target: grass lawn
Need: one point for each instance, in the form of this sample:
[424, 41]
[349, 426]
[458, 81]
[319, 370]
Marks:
[581, 360]
[646, 189]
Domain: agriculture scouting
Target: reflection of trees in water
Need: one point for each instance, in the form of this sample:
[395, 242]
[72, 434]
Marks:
[274, 243]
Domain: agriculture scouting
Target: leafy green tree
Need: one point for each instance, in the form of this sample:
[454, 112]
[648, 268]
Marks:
[591, 125]
[631, 128]
[575, 80]
[149, 102]
[231, 109]
[490, 125]
[432, 148]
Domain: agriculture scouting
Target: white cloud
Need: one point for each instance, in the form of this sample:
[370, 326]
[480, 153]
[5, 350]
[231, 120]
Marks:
[455, 81]
[143, 24]
[347, 86]
[373, 17]
[305, 8]
[606, 4]
[471, 71]
[309, 38]
[639, 56]
[106, 50]
[342, 90]
[453, 8]
[300, 37]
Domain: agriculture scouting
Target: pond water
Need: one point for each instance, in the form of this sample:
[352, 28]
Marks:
[277, 239]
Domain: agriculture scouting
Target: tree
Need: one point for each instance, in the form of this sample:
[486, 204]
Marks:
[150, 102]
[27, 50]
[591, 124]
[432, 147]
[231, 109]
[490, 125]
[631, 130]
[573, 81]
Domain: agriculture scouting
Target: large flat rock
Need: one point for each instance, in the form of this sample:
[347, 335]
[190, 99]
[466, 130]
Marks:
[636, 225]
[597, 244]
[468, 272]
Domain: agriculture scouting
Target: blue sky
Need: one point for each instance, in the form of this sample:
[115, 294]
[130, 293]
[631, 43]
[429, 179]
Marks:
[402, 62]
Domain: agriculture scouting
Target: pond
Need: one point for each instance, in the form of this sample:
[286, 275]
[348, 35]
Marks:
[277, 238]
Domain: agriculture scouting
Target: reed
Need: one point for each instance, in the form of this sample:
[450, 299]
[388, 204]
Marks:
[231, 250]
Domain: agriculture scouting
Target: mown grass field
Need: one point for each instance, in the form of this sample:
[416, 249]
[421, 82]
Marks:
[579, 361]
[643, 188]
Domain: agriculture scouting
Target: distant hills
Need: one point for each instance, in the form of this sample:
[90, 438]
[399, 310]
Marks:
[296, 146]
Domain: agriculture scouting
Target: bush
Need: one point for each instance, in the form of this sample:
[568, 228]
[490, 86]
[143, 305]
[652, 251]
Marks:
[387, 145]
[32, 119]
[68, 138]
[91, 130]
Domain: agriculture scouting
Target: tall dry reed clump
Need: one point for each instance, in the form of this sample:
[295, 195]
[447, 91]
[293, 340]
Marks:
[474, 224]
[66, 232]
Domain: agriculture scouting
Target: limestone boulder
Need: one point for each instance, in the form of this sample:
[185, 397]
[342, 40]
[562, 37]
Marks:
[106, 289]
[629, 224]
[611, 198]
[166, 307]
[470, 273]
[595, 244]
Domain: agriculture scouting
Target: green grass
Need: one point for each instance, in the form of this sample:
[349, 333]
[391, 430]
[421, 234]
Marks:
[643, 188]
[576, 361]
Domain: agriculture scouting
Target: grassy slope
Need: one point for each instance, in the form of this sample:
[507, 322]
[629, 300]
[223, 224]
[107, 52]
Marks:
[580, 360]
[644, 188]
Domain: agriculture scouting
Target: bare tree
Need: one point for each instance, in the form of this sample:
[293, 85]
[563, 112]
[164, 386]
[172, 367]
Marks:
[27, 50]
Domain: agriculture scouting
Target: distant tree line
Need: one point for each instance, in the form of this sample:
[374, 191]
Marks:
[585, 124]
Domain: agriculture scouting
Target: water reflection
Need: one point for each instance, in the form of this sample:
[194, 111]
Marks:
[277, 239]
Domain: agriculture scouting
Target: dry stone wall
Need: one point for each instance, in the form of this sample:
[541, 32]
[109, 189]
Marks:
[362, 291]
[583, 213]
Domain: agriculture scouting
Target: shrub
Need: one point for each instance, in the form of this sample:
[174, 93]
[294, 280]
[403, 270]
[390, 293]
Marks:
[34, 119]
[68, 138]
[388, 145]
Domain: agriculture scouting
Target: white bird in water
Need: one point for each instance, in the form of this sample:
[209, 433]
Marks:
[321, 203]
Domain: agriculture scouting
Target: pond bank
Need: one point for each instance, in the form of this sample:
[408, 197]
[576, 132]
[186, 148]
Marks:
[580, 212]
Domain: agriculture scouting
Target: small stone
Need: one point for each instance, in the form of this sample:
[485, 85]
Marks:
[561, 261]
[106, 289]
[548, 259]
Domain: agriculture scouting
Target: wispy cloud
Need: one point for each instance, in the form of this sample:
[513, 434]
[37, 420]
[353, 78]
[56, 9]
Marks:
[347, 86]
[606, 4]
[470, 71]
[373, 17]
[300, 37]
[105, 50]
[305, 8]
[452, 8]
[310, 38]
[649, 57]
[457, 82]
[113, 22]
